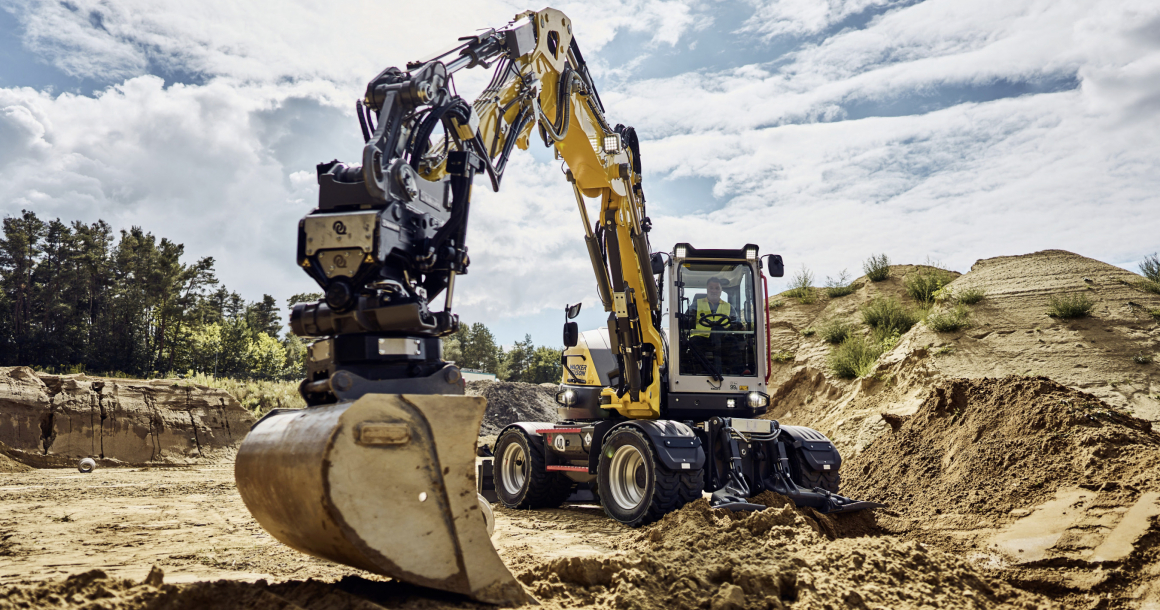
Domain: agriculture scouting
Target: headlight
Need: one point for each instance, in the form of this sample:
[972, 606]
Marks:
[730, 403]
[757, 400]
[565, 398]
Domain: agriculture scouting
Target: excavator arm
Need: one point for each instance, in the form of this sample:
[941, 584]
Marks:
[378, 471]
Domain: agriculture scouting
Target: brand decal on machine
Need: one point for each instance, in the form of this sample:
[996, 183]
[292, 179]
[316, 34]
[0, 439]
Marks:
[559, 443]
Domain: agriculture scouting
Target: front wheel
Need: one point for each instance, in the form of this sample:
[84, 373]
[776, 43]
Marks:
[635, 488]
[521, 477]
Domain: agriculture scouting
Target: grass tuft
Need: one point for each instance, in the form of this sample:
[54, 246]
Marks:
[1142, 359]
[839, 287]
[854, 357]
[922, 285]
[877, 267]
[970, 296]
[1155, 313]
[782, 356]
[836, 331]
[948, 321]
[801, 286]
[809, 332]
[888, 315]
[1069, 306]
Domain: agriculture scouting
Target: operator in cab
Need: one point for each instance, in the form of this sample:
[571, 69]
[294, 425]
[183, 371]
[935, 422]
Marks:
[702, 311]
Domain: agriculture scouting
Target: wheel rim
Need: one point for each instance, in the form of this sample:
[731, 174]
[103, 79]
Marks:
[627, 492]
[514, 469]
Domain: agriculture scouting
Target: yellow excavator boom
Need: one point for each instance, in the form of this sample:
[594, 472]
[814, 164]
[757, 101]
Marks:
[378, 472]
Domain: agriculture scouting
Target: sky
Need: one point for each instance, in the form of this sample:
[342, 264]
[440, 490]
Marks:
[823, 130]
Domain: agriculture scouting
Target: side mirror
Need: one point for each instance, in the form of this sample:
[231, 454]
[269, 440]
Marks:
[658, 263]
[571, 333]
[573, 310]
[776, 266]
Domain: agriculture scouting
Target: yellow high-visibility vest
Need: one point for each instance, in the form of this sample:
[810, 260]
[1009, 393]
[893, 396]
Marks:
[703, 309]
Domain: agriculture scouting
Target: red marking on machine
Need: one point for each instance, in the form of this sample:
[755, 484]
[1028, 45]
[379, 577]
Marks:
[568, 468]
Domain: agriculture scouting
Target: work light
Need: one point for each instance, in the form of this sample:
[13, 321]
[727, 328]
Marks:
[612, 144]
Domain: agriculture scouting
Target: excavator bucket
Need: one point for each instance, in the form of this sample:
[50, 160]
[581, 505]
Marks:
[385, 484]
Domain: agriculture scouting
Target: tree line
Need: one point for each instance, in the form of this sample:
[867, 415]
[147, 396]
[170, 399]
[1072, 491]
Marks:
[474, 347]
[80, 297]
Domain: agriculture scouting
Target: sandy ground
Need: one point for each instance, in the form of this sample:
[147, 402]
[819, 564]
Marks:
[58, 526]
[192, 524]
[1020, 458]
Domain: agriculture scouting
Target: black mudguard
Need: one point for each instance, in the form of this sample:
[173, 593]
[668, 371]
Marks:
[818, 450]
[677, 447]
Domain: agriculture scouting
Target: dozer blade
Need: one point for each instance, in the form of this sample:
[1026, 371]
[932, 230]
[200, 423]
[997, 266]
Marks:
[385, 484]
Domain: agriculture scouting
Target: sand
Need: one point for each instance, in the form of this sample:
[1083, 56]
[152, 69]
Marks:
[1018, 458]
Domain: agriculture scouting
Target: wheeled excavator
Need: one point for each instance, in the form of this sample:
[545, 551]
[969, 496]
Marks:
[378, 472]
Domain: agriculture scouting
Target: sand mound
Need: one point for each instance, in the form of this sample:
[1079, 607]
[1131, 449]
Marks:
[95, 590]
[8, 464]
[1106, 354]
[782, 557]
[509, 402]
[993, 445]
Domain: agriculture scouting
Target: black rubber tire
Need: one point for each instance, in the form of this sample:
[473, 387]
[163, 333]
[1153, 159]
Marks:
[804, 476]
[540, 489]
[664, 490]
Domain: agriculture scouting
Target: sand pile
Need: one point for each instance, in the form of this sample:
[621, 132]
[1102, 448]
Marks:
[512, 401]
[782, 557]
[1111, 354]
[8, 464]
[94, 590]
[993, 445]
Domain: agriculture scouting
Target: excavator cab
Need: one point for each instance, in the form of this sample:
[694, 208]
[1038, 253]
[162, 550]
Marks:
[715, 368]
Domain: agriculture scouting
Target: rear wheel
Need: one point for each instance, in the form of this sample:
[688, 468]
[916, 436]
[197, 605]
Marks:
[521, 477]
[635, 488]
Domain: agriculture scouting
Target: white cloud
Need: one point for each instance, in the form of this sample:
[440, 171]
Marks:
[801, 17]
[226, 166]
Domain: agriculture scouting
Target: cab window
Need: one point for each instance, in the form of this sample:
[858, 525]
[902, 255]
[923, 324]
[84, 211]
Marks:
[717, 331]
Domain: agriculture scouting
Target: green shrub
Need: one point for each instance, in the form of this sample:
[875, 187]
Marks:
[256, 396]
[887, 315]
[948, 321]
[809, 332]
[839, 287]
[774, 304]
[922, 285]
[801, 286]
[1155, 313]
[1142, 359]
[854, 357]
[836, 331]
[1150, 267]
[782, 356]
[877, 267]
[1068, 306]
